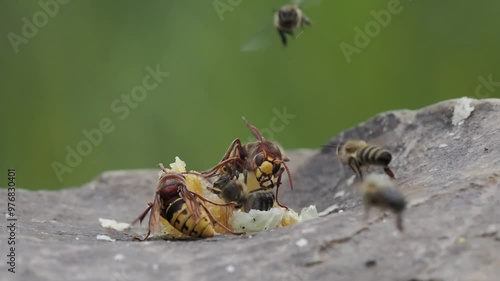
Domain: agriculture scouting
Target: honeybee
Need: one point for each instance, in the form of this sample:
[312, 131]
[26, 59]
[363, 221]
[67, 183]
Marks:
[230, 190]
[287, 19]
[262, 200]
[378, 191]
[233, 190]
[262, 161]
[182, 208]
[357, 153]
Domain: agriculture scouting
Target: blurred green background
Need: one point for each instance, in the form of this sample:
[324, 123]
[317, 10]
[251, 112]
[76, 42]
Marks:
[66, 77]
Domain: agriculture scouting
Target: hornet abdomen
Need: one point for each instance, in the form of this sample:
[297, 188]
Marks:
[178, 215]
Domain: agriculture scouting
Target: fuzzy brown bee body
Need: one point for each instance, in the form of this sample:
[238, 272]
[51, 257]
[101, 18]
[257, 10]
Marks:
[230, 190]
[181, 208]
[357, 153]
[262, 200]
[287, 19]
[378, 191]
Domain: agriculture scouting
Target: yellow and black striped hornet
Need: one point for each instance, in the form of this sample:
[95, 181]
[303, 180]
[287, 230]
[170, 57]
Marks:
[182, 208]
[378, 191]
[234, 190]
[261, 161]
[357, 153]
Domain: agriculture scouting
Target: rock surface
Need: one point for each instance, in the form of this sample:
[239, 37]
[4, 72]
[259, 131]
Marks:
[449, 173]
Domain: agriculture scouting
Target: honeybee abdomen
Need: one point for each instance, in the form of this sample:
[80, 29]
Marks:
[393, 199]
[375, 155]
[178, 216]
[263, 201]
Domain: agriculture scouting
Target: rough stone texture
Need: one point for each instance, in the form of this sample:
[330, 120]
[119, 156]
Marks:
[452, 223]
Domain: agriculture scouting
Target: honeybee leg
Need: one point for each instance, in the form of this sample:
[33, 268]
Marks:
[283, 37]
[389, 172]
[214, 221]
[367, 212]
[354, 165]
[214, 190]
[399, 222]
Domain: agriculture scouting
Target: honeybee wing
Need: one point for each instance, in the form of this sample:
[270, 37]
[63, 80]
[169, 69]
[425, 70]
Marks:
[261, 39]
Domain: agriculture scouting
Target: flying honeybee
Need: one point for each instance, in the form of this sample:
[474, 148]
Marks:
[182, 208]
[261, 161]
[233, 190]
[357, 153]
[286, 20]
[378, 191]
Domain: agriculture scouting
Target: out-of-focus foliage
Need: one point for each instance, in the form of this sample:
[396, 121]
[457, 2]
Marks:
[66, 77]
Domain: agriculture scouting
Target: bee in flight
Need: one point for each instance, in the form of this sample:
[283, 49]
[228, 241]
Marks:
[378, 191]
[262, 163]
[286, 20]
[357, 153]
[289, 18]
[180, 207]
[234, 190]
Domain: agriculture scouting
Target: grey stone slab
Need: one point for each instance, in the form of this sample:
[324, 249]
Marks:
[449, 173]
